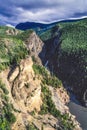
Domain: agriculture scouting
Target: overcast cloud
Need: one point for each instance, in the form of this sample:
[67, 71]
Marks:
[16, 11]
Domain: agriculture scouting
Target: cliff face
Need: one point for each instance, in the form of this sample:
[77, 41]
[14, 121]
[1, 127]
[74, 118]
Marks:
[66, 55]
[36, 47]
[25, 95]
[25, 90]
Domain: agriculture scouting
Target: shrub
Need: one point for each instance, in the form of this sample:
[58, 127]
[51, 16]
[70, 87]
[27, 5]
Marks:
[48, 106]
[31, 127]
[2, 86]
[47, 78]
[6, 98]
[6, 117]
[40, 70]
[10, 117]
[27, 85]
[4, 124]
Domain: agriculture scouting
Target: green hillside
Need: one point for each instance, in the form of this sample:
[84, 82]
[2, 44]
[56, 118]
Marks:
[12, 47]
[72, 53]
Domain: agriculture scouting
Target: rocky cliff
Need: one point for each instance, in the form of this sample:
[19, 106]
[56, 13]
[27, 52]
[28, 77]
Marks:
[30, 96]
[25, 94]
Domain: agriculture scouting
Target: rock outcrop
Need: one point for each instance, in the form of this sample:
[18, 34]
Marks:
[36, 47]
[12, 32]
[25, 94]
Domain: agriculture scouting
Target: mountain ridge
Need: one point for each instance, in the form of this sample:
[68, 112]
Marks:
[33, 25]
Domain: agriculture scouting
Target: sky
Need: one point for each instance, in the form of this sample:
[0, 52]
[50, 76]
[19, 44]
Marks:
[13, 12]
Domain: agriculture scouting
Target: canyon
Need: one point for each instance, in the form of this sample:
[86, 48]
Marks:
[38, 72]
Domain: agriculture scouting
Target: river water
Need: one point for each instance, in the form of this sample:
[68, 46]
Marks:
[79, 111]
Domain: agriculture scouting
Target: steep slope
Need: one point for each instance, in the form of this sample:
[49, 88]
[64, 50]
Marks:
[30, 97]
[69, 60]
[28, 94]
[24, 93]
[36, 47]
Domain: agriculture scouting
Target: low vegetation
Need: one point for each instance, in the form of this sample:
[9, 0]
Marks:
[7, 117]
[24, 35]
[2, 86]
[48, 79]
[31, 127]
[48, 106]
[12, 49]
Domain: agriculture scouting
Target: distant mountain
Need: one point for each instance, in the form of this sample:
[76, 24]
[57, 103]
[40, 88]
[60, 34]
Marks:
[32, 25]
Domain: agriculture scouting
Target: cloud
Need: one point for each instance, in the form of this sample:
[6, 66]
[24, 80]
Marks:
[15, 11]
[9, 25]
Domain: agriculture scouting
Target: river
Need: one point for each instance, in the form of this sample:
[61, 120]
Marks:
[79, 111]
